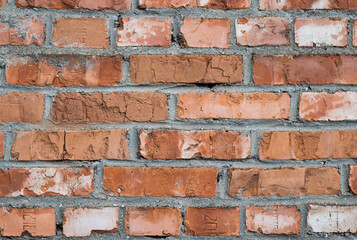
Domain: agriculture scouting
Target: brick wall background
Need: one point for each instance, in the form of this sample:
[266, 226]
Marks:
[207, 119]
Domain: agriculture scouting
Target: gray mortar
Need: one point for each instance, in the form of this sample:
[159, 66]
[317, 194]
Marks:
[249, 127]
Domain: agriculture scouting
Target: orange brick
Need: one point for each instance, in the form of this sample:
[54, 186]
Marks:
[212, 221]
[353, 179]
[160, 181]
[214, 4]
[46, 182]
[171, 144]
[306, 4]
[293, 181]
[76, 4]
[233, 105]
[153, 221]
[81, 33]
[38, 222]
[3, 3]
[64, 70]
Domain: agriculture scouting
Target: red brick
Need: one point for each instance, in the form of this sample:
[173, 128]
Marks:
[186, 69]
[353, 179]
[355, 32]
[305, 69]
[144, 32]
[64, 70]
[328, 107]
[46, 182]
[81, 33]
[206, 33]
[160, 181]
[292, 181]
[1, 144]
[171, 144]
[332, 219]
[110, 107]
[153, 221]
[212, 221]
[307, 4]
[81, 222]
[3, 3]
[120, 5]
[22, 31]
[21, 107]
[214, 4]
[307, 145]
[70, 145]
[233, 105]
[38, 222]
[263, 31]
[273, 219]
[321, 32]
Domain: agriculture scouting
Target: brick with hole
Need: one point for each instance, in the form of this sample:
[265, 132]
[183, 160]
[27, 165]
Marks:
[22, 31]
[70, 145]
[81, 33]
[186, 69]
[77, 107]
[160, 181]
[82, 222]
[270, 31]
[153, 221]
[214, 4]
[212, 221]
[134, 31]
[38, 182]
[306, 145]
[273, 219]
[332, 219]
[172, 144]
[306, 4]
[64, 70]
[321, 32]
[117, 5]
[233, 105]
[36, 222]
[205, 33]
[288, 181]
[304, 69]
[22, 107]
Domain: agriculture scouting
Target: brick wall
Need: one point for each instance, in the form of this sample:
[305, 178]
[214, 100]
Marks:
[183, 119]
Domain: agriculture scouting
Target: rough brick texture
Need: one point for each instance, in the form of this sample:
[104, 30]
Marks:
[1, 144]
[160, 181]
[118, 5]
[214, 4]
[153, 221]
[353, 179]
[307, 4]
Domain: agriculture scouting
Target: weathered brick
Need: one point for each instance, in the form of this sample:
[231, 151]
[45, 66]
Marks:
[81, 33]
[305, 69]
[110, 107]
[307, 145]
[328, 107]
[321, 32]
[353, 179]
[306, 4]
[64, 70]
[3, 3]
[134, 31]
[1, 144]
[22, 31]
[332, 219]
[38, 222]
[120, 5]
[233, 105]
[214, 4]
[355, 32]
[172, 144]
[209, 221]
[186, 69]
[153, 221]
[206, 33]
[25, 107]
[70, 145]
[263, 31]
[81, 222]
[273, 219]
[46, 182]
[160, 181]
[292, 181]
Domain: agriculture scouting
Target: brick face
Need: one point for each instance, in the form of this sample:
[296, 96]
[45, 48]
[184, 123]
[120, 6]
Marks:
[309, 4]
[214, 4]
[76, 4]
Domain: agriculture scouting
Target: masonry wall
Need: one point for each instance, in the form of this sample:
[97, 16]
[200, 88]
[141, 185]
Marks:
[181, 119]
